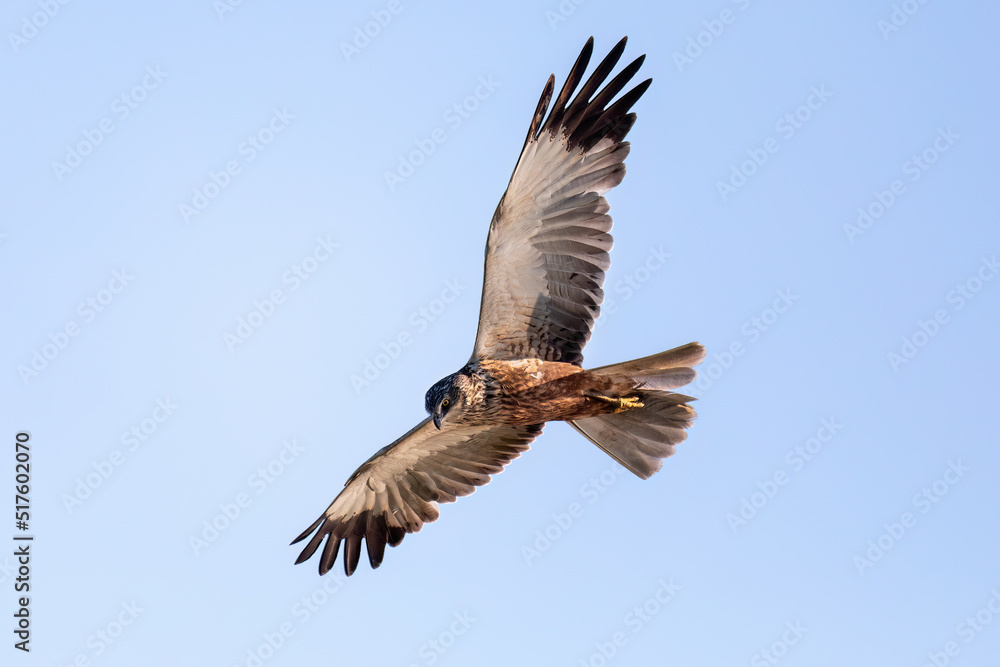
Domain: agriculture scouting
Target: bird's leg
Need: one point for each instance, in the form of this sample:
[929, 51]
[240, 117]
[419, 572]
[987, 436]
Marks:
[621, 404]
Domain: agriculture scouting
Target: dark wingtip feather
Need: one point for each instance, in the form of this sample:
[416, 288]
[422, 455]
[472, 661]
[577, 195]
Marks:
[375, 541]
[631, 97]
[311, 547]
[329, 557]
[615, 86]
[308, 530]
[572, 81]
[543, 105]
[579, 117]
[614, 122]
[396, 535]
[587, 118]
[581, 106]
[352, 553]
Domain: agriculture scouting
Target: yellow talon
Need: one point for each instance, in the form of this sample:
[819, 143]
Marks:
[621, 404]
[628, 404]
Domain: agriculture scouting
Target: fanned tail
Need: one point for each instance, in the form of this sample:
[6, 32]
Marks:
[641, 438]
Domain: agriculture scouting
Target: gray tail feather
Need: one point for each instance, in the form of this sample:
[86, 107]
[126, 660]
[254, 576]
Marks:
[641, 438]
[679, 358]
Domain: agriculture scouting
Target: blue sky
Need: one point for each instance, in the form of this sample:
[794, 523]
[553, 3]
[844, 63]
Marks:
[218, 218]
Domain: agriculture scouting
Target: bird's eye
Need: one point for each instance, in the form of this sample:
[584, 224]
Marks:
[445, 403]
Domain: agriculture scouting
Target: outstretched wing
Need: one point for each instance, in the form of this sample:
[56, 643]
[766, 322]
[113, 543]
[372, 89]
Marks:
[396, 491]
[548, 245]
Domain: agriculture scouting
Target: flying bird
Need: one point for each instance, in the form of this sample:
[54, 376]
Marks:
[546, 256]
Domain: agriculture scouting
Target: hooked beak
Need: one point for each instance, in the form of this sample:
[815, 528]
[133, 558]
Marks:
[437, 420]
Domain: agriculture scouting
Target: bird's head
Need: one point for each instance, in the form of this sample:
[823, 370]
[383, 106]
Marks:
[444, 398]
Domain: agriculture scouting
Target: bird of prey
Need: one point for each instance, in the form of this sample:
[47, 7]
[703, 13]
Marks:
[546, 255]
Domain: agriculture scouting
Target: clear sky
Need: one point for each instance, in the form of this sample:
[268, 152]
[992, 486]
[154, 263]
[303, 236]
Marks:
[239, 242]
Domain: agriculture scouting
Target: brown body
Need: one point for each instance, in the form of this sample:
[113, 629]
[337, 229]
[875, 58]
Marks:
[532, 391]
[540, 391]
